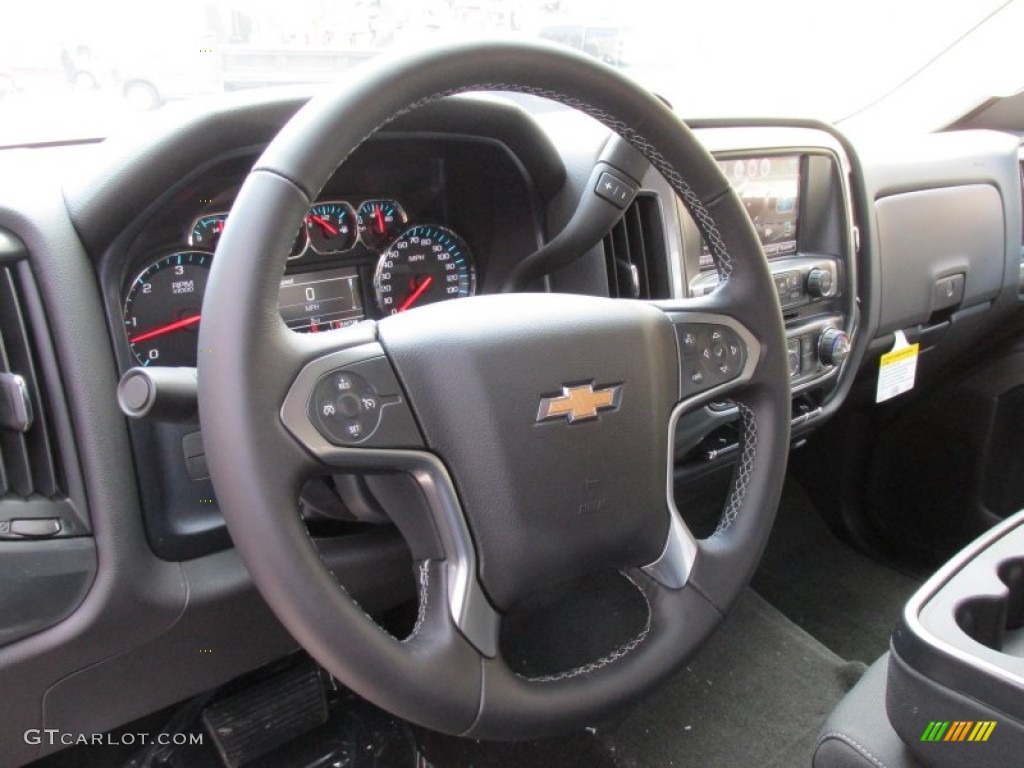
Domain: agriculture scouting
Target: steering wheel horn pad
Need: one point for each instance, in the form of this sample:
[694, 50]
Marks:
[545, 500]
[537, 428]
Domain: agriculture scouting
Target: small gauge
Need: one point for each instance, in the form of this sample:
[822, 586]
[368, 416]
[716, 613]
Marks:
[162, 308]
[380, 221]
[331, 227]
[206, 231]
[424, 265]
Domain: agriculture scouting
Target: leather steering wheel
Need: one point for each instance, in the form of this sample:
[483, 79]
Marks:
[469, 398]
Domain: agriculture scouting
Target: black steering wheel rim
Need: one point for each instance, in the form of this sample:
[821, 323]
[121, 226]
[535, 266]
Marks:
[444, 676]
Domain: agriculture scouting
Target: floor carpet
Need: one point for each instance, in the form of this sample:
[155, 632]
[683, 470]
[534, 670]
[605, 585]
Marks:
[756, 695]
[844, 599]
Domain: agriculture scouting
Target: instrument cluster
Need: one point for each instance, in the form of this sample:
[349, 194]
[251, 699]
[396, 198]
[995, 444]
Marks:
[343, 250]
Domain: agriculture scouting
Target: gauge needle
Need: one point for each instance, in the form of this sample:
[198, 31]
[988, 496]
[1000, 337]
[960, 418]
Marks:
[176, 326]
[420, 290]
[380, 220]
[331, 229]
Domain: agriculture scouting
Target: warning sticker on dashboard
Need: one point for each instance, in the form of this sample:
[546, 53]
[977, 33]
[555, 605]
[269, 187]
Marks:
[897, 369]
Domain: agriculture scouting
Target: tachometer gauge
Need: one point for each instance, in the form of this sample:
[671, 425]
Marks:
[425, 264]
[205, 232]
[379, 222]
[161, 310]
[331, 227]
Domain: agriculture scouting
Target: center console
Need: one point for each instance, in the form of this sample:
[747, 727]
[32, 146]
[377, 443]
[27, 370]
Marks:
[795, 201]
[955, 691]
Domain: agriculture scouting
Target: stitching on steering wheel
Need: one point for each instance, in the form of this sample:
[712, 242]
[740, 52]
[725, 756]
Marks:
[341, 586]
[421, 611]
[743, 470]
[621, 652]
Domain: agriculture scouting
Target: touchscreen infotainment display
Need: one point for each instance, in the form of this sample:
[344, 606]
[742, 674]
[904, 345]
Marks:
[770, 190]
[319, 301]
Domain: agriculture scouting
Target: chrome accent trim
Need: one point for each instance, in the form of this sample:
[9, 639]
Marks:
[470, 610]
[634, 279]
[196, 220]
[21, 403]
[673, 566]
[656, 188]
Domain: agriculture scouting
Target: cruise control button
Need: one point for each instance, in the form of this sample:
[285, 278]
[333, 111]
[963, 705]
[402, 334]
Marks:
[350, 405]
[362, 405]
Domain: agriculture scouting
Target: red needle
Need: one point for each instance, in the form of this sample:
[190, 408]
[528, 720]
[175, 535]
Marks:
[176, 326]
[331, 229]
[420, 290]
[380, 220]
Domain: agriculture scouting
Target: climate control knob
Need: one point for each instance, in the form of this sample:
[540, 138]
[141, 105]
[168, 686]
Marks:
[833, 346]
[820, 283]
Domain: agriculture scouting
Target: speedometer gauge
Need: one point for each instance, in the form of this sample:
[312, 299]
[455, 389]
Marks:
[424, 265]
[161, 310]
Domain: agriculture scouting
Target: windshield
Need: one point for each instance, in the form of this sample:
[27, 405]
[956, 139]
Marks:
[73, 70]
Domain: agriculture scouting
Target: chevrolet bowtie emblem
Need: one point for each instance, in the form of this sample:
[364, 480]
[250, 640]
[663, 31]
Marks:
[579, 403]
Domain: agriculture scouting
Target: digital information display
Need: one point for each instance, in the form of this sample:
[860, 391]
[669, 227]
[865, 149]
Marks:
[320, 301]
[770, 190]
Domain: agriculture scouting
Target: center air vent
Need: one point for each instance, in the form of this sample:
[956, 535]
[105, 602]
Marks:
[28, 456]
[635, 254]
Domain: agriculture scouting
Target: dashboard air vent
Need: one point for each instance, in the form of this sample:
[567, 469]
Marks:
[635, 253]
[28, 454]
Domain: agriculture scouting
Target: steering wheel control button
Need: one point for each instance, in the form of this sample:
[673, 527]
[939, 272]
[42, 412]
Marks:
[361, 405]
[615, 190]
[711, 355]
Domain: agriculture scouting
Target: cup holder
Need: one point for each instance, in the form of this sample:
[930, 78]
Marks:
[997, 621]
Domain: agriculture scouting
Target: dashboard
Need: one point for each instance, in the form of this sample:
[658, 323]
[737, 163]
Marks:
[449, 202]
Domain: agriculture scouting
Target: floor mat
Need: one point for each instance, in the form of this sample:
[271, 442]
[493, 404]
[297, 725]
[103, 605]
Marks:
[843, 598]
[756, 695]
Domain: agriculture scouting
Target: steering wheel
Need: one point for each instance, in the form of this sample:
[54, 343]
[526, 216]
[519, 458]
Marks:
[538, 428]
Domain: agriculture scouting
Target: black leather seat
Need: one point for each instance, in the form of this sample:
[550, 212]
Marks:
[857, 734]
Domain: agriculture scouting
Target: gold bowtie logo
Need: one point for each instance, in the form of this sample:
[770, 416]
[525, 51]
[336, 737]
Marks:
[579, 403]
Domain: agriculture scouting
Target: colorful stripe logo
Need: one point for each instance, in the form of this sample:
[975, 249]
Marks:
[958, 730]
